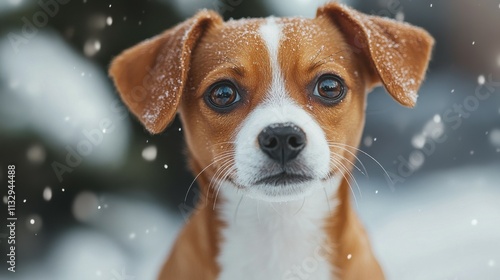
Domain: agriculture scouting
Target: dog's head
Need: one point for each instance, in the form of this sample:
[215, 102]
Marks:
[272, 105]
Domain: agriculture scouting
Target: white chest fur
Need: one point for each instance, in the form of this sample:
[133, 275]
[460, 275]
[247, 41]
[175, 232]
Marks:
[275, 241]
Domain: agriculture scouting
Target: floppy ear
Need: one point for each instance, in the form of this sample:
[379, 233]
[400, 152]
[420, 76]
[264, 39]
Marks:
[398, 52]
[151, 75]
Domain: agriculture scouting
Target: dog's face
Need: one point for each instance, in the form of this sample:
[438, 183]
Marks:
[279, 99]
[273, 106]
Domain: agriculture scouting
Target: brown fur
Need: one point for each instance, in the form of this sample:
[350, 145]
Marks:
[185, 60]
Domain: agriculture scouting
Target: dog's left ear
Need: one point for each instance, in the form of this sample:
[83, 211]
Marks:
[151, 75]
[397, 52]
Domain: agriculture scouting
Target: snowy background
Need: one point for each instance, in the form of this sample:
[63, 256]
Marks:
[434, 213]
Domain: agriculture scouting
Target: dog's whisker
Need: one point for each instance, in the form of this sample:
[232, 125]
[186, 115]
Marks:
[223, 143]
[349, 184]
[316, 55]
[216, 159]
[368, 155]
[340, 158]
[258, 212]
[331, 55]
[237, 208]
[216, 196]
[327, 200]
[352, 163]
[365, 171]
[223, 154]
[275, 210]
[349, 173]
[302, 206]
[227, 161]
[223, 178]
[227, 164]
[331, 144]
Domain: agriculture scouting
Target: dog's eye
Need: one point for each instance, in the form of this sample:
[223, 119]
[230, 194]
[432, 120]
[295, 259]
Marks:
[330, 89]
[223, 95]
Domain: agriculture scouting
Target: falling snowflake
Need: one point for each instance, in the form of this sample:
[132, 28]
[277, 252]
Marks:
[47, 193]
[91, 48]
[400, 16]
[149, 153]
[481, 80]
[416, 160]
[36, 154]
[368, 141]
[418, 141]
[494, 136]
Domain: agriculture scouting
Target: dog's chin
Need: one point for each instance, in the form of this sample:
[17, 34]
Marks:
[281, 188]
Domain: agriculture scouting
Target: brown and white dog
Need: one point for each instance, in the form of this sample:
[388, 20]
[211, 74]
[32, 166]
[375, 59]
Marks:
[273, 110]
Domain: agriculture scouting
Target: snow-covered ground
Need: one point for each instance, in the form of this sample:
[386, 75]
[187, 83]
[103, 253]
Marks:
[442, 226]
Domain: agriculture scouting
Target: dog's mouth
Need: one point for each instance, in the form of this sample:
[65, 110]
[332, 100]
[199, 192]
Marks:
[283, 178]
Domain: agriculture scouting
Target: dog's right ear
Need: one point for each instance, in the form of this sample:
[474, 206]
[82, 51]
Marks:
[151, 76]
[397, 52]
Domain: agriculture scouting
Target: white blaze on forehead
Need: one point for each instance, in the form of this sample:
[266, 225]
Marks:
[271, 33]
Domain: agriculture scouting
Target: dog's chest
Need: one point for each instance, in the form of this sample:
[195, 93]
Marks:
[275, 241]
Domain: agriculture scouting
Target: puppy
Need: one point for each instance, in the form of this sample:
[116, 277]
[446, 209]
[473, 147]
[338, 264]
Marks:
[273, 110]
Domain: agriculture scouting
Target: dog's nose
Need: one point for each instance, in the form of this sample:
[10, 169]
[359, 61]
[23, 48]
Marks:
[282, 142]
